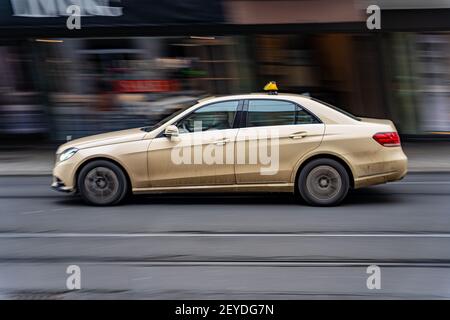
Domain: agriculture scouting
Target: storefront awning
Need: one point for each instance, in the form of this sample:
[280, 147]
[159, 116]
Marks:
[109, 13]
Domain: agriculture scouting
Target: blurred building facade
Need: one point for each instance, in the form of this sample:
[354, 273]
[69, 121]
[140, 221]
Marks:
[58, 88]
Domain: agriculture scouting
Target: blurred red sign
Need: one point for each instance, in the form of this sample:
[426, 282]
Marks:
[135, 86]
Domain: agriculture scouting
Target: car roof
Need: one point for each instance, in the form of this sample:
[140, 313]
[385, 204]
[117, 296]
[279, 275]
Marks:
[325, 113]
[279, 96]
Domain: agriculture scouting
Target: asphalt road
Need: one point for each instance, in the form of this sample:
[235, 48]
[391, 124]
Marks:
[225, 246]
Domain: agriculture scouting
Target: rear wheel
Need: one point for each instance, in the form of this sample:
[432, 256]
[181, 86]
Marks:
[102, 183]
[323, 182]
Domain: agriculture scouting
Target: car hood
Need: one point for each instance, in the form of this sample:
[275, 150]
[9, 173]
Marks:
[104, 139]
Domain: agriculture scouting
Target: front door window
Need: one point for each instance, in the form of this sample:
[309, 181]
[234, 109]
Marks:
[216, 116]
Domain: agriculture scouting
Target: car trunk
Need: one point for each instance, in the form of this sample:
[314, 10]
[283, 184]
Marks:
[380, 121]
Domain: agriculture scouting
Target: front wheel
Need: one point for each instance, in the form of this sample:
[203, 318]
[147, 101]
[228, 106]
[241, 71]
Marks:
[323, 182]
[102, 183]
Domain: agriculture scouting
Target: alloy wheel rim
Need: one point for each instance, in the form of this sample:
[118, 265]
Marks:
[101, 184]
[324, 182]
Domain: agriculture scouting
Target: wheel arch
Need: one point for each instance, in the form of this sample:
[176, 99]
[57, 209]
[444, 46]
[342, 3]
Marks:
[89, 160]
[324, 155]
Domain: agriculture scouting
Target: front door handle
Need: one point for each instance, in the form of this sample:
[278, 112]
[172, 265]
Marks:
[221, 142]
[298, 135]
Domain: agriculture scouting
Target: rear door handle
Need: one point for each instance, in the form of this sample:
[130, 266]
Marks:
[298, 135]
[222, 141]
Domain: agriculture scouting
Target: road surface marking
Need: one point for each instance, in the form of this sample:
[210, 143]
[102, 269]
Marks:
[32, 212]
[168, 263]
[419, 182]
[13, 235]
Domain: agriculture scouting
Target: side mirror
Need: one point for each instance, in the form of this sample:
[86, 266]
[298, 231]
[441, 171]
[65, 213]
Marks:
[171, 132]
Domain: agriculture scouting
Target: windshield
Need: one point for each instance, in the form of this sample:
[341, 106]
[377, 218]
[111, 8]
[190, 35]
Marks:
[165, 119]
[348, 114]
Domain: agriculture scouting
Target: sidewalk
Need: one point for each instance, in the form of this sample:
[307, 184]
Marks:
[423, 157]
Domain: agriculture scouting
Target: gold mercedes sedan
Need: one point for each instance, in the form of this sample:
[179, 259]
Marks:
[241, 143]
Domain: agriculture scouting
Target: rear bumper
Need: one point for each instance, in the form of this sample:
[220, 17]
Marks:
[379, 179]
[394, 170]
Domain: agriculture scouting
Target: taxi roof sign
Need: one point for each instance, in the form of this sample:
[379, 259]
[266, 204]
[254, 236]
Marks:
[271, 87]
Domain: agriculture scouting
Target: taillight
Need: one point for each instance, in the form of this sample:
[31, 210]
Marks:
[387, 139]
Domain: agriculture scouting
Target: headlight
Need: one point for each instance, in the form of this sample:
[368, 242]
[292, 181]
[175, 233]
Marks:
[67, 154]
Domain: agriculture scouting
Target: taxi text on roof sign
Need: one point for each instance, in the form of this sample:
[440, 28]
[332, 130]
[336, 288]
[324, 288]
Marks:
[271, 87]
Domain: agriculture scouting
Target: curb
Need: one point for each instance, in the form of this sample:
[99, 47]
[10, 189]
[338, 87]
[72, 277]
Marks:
[26, 174]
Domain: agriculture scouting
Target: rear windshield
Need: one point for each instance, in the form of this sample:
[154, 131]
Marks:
[348, 114]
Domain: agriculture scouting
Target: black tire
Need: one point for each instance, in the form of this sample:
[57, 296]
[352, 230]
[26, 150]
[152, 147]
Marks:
[102, 183]
[323, 182]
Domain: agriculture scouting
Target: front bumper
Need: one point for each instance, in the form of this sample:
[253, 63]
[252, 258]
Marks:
[58, 185]
[64, 174]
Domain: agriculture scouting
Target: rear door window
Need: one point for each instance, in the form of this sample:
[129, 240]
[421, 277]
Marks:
[276, 113]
